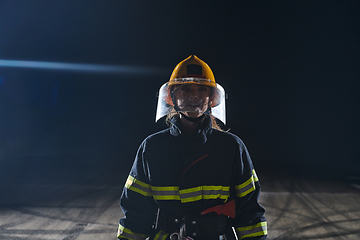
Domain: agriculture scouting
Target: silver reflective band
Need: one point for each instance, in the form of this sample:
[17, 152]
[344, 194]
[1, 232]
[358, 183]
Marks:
[191, 79]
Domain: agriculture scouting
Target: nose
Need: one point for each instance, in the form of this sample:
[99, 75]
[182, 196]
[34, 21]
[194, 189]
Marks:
[194, 94]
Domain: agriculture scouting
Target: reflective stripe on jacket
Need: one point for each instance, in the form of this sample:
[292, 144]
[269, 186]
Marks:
[186, 176]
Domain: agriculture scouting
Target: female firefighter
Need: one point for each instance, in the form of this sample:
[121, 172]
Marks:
[193, 180]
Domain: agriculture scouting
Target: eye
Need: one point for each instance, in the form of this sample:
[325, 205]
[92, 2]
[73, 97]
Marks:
[185, 88]
[203, 89]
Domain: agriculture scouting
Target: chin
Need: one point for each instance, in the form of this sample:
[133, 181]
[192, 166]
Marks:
[193, 115]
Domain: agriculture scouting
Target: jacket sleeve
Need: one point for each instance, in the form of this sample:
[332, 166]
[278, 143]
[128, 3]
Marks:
[249, 221]
[137, 203]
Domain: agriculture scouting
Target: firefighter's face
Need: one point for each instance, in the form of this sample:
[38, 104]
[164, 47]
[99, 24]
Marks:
[192, 99]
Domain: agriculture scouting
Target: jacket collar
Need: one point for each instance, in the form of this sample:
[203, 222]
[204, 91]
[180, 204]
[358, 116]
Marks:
[202, 132]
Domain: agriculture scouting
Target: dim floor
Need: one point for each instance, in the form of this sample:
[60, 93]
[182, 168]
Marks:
[295, 209]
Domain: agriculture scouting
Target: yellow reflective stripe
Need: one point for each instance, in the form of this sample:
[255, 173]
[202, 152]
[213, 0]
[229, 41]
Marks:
[190, 194]
[245, 188]
[248, 186]
[255, 175]
[259, 229]
[161, 235]
[128, 234]
[204, 192]
[138, 186]
[166, 193]
[169, 188]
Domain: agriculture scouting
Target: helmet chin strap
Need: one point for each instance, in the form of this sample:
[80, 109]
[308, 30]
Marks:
[192, 119]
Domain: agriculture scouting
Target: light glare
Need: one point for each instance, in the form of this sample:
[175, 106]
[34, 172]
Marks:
[79, 67]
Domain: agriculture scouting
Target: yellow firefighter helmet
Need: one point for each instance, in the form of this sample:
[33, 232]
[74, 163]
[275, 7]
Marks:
[192, 70]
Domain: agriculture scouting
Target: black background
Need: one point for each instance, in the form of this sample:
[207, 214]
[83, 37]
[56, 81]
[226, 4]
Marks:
[291, 70]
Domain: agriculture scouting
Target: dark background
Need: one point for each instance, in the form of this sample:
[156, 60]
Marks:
[291, 70]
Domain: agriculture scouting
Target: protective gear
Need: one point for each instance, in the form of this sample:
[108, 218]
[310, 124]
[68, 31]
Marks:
[191, 70]
[186, 177]
[203, 227]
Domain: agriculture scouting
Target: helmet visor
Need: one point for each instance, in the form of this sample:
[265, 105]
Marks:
[191, 98]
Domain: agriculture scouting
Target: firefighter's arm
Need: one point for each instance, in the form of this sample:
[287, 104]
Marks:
[249, 221]
[137, 204]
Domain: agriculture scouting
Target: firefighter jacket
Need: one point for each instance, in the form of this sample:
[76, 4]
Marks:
[184, 176]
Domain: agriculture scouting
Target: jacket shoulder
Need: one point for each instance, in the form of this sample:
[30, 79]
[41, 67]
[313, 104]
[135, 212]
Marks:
[157, 137]
[228, 137]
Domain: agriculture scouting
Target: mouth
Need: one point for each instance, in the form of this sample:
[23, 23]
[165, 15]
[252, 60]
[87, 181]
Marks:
[193, 106]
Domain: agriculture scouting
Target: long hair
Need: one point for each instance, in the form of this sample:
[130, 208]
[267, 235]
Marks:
[172, 113]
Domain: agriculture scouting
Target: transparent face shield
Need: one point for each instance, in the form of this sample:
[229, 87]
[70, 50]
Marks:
[192, 98]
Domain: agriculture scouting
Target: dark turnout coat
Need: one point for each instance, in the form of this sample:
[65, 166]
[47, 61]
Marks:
[183, 177]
